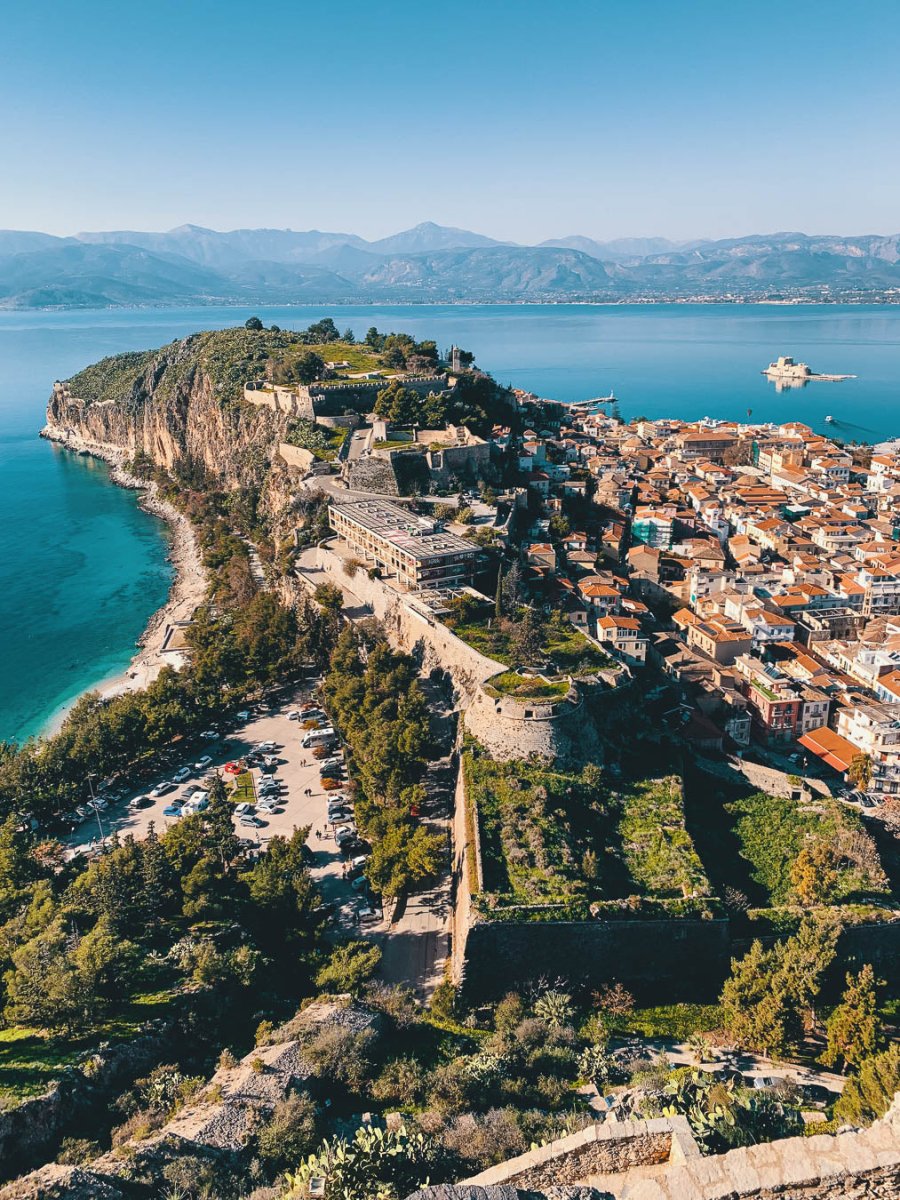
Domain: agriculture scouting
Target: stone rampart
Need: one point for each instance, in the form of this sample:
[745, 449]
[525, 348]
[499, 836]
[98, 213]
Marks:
[612, 1147]
[291, 401]
[410, 626]
[856, 1165]
[682, 959]
[509, 728]
[372, 474]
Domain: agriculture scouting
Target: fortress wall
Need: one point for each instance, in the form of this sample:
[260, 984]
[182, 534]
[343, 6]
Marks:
[510, 729]
[466, 871]
[660, 961]
[410, 629]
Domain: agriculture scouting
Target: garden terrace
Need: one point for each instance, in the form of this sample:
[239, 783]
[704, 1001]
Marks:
[323, 443]
[772, 830]
[550, 839]
[527, 687]
[565, 649]
[751, 842]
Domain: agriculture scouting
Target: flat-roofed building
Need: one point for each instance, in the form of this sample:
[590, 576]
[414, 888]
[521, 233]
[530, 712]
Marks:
[414, 549]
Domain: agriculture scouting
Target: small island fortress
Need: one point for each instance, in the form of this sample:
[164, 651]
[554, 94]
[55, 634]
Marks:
[788, 373]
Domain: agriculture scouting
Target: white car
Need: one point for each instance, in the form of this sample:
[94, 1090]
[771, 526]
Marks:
[162, 789]
[243, 808]
[182, 775]
[344, 833]
[98, 804]
[294, 715]
[210, 734]
[334, 761]
[265, 747]
[202, 763]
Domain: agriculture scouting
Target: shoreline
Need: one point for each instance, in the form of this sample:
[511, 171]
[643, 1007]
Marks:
[188, 588]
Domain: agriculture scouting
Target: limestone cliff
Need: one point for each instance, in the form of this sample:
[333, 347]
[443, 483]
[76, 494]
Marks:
[180, 404]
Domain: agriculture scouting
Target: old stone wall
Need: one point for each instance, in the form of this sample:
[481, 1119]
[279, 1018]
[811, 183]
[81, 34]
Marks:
[372, 474]
[660, 961]
[845, 1166]
[858, 1165]
[466, 878]
[296, 456]
[612, 1147]
[410, 628]
[511, 729]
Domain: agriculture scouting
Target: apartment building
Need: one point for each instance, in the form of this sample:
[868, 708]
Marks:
[414, 550]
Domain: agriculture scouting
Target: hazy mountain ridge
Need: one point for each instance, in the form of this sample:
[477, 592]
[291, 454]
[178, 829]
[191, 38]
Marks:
[429, 262]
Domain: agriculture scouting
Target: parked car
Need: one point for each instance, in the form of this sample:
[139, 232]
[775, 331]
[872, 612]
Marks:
[82, 813]
[210, 734]
[766, 1081]
[360, 884]
[265, 747]
[367, 913]
[98, 804]
[250, 820]
[268, 807]
[182, 775]
[357, 865]
[139, 802]
[867, 802]
[343, 834]
[242, 808]
[162, 789]
[294, 715]
[334, 761]
[202, 763]
[172, 810]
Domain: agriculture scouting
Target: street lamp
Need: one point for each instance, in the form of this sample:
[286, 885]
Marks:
[91, 775]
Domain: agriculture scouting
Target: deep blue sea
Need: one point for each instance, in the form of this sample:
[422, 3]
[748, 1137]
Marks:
[82, 568]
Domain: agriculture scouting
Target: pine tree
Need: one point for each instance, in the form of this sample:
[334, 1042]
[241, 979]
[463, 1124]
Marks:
[853, 1029]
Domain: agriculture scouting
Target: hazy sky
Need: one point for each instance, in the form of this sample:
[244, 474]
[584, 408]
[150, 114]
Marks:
[521, 120]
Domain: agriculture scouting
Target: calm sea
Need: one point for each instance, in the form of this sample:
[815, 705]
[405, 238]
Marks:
[82, 567]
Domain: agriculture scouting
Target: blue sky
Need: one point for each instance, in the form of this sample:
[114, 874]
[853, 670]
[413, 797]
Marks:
[520, 120]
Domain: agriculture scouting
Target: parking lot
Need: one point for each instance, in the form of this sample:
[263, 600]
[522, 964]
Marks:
[297, 769]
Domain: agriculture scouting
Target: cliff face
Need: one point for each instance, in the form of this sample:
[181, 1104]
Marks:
[174, 406]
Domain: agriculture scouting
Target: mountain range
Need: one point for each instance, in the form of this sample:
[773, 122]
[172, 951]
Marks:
[431, 263]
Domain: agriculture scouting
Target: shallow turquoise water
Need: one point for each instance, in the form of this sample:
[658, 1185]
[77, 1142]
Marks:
[82, 568]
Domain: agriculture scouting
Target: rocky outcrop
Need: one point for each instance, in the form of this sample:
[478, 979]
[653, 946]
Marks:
[218, 1125]
[32, 1129]
[171, 410]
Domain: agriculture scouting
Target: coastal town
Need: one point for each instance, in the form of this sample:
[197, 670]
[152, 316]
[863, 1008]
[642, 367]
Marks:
[569, 740]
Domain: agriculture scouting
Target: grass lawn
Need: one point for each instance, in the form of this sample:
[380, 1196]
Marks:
[523, 687]
[31, 1059]
[243, 789]
[360, 358]
[677, 1021]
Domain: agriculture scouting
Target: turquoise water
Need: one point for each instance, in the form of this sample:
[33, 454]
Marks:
[82, 568]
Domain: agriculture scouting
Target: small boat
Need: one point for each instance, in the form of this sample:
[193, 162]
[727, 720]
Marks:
[829, 419]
